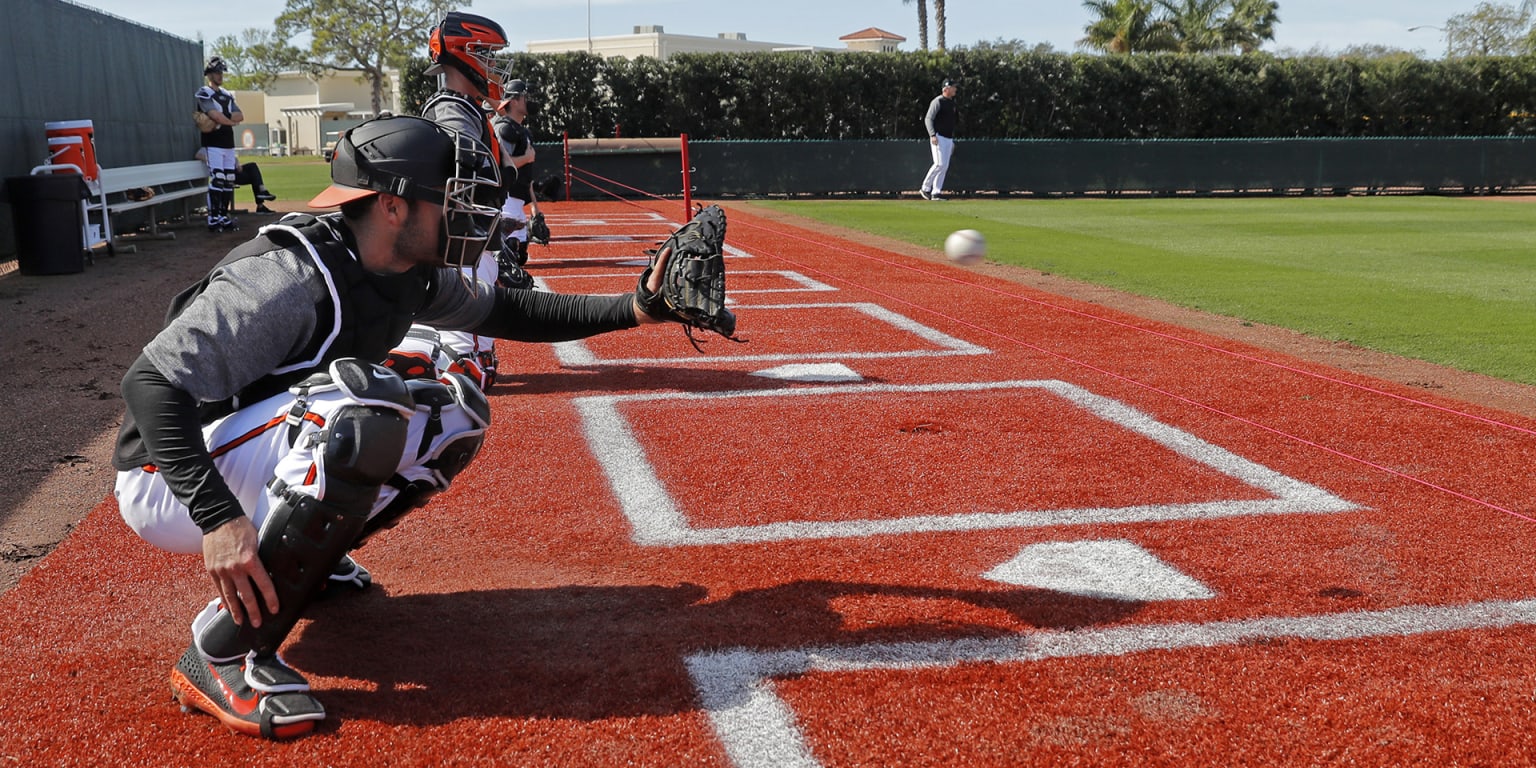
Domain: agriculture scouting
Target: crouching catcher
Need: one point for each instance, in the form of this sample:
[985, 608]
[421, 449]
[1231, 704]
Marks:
[261, 431]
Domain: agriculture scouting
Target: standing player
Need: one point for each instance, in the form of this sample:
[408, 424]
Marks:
[516, 174]
[260, 432]
[940, 121]
[463, 48]
[220, 107]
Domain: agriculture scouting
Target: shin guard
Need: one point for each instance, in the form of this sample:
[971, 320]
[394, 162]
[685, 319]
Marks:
[312, 523]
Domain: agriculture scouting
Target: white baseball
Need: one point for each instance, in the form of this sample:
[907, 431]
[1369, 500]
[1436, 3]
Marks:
[965, 247]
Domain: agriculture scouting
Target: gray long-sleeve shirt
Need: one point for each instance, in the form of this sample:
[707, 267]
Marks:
[941, 118]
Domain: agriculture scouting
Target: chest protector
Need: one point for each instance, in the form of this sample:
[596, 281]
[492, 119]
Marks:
[362, 315]
[487, 135]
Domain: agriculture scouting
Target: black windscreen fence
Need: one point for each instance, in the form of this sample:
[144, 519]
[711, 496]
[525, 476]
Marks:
[1040, 167]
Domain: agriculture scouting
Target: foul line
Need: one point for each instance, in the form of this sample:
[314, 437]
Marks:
[1121, 377]
[758, 729]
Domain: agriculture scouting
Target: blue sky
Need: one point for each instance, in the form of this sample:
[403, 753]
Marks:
[1304, 24]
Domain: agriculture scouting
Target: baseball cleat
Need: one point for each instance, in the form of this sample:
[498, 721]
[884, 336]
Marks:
[255, 696]
[347, 573]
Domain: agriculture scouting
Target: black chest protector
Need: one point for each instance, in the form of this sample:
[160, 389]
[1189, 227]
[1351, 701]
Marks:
[363, 315]
[487, 134]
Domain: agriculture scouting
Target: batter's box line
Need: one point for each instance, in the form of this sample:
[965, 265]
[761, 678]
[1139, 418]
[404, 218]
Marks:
[758, 729]
[576, 354]
[802, 283]
[656, 520]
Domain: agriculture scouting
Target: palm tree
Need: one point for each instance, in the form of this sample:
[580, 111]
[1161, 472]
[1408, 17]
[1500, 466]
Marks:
[1200, 26]
[922, 20]
[1252, 23]
[1126, 26]
[938, 18]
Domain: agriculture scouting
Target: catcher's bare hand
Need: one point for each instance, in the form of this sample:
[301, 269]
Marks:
[229, 555]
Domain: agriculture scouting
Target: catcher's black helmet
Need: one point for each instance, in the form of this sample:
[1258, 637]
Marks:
[418, 159]
[215, 64]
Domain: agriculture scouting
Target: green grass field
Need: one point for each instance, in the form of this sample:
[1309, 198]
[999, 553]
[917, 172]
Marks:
[292, 179]
[1448, 280]
[1444, 279]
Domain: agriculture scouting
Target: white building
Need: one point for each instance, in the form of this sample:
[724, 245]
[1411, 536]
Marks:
[657, 43]
[301, 114]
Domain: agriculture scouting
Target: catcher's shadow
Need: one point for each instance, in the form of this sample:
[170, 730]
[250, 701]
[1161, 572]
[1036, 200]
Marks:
[592, 653]
[609, 379]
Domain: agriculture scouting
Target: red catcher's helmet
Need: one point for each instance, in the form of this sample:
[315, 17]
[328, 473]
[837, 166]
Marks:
[469, 43]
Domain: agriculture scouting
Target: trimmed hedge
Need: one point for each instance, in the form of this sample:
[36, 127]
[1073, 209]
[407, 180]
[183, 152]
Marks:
[878, 96]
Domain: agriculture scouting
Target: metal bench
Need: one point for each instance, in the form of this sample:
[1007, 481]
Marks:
[133, 187]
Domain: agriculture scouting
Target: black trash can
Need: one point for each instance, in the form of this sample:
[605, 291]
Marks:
[49, 222]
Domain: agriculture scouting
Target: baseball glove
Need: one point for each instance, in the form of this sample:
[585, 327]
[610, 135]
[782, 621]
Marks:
[204, 122]
[538, 231]
[692, 290]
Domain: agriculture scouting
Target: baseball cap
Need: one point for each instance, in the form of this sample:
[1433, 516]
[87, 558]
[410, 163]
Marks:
[407, 156]
[949, 81]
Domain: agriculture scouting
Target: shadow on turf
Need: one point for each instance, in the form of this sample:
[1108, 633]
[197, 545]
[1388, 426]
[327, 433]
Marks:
[606, 378]
[591, 653]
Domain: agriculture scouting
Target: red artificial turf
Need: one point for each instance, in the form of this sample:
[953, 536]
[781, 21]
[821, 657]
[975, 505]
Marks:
[516, 621]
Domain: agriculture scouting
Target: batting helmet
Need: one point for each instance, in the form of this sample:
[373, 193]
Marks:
[469, 43]
[418, 159]
[215, 64]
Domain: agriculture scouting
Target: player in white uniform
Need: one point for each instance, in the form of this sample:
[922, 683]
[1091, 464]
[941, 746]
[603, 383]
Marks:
[517, 172]
[219, 144]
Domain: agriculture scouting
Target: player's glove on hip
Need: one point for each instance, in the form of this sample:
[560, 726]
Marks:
[538, 230]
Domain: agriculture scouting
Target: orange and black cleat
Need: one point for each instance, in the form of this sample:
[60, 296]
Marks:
[256, 696]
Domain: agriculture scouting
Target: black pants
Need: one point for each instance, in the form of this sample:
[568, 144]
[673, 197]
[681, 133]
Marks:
[249, 174]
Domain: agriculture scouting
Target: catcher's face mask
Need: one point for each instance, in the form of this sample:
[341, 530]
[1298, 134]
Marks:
[471, 205]
[418, 159]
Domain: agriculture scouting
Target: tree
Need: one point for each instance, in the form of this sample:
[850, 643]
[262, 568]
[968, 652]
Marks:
[922, 21]
[255, 58]
[367, 36]
[1220, 26]
[938, 21]
[1377, 52]
[1011, 47]
[1490, 29]
[1199, 26]
[1126, 26]
[1252, 23]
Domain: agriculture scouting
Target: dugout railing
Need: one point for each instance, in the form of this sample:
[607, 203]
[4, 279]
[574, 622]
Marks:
[1301, 166]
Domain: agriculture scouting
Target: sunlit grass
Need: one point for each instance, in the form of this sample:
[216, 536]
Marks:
[1448, 280]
